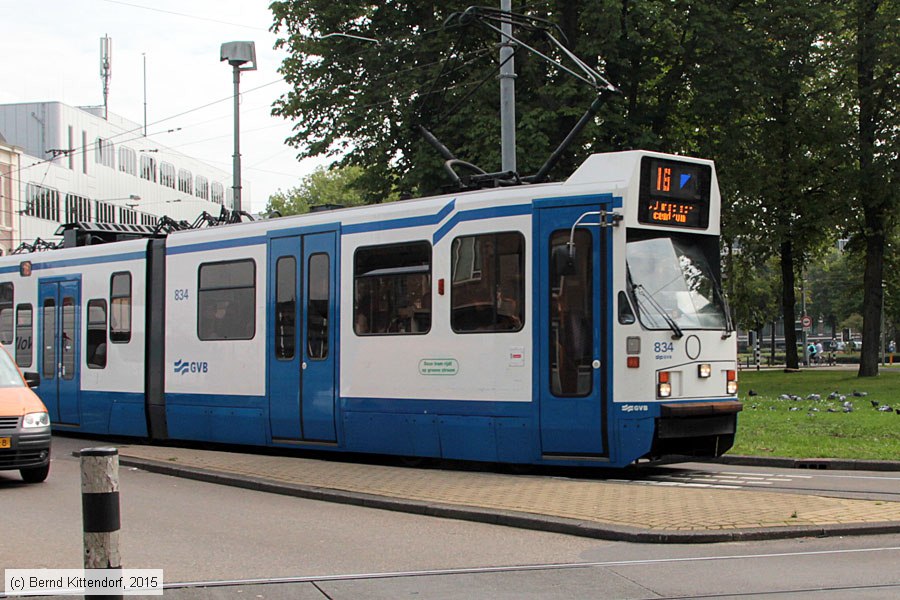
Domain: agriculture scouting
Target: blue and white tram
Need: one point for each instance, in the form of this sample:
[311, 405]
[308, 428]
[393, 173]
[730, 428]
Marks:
[566, 323]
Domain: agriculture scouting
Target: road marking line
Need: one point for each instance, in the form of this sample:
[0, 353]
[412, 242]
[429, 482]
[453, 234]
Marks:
[770, 475]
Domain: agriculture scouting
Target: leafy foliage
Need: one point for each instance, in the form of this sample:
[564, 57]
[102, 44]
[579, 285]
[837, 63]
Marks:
[335, 187]
[795, 100]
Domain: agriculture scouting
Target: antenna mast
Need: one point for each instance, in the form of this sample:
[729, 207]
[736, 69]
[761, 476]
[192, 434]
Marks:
[105, 71]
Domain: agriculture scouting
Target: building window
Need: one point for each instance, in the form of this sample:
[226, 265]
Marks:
[24, 334]
[105, 153]
[95, 344]
[70, 149]
[185, 181]
[167, 175]
[217, 194]
[84, 153]
[6, 313]
[226, 300]
[148, 168]
[127, 160]
[120, 308]
[104, 213]
[78, 209]
[127, 216]
[201, 187]
[488, 283]
[392, 289]
[41, 202]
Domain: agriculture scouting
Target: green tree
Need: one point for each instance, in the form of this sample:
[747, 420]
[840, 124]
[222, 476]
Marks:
[834, 285]
[338, 186]
[753, 291]
[420, 65]
[877, 108]
[772, 123]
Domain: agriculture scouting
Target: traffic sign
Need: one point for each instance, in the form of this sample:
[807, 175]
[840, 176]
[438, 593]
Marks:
[806, 321]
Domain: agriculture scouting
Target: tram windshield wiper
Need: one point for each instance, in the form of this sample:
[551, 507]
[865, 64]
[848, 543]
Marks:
[641, 291]
[729, 323]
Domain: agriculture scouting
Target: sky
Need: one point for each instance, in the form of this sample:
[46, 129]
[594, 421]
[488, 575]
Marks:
[51, 51]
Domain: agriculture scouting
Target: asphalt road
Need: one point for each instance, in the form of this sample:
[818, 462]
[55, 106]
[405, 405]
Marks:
[222, 542]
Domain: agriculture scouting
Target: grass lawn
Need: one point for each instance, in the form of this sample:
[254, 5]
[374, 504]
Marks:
[768, 426]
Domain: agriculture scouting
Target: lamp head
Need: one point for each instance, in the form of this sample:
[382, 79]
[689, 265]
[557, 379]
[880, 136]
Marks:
[238, 54]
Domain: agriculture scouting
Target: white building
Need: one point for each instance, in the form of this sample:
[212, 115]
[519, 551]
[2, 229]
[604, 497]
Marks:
[9, 193]
[77, 166]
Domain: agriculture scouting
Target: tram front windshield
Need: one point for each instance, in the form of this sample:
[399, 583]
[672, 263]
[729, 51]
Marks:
[672, 282]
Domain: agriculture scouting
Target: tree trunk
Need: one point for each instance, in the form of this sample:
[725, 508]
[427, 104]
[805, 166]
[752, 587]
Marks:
[788, 302]
[875, 208]
[872, 301]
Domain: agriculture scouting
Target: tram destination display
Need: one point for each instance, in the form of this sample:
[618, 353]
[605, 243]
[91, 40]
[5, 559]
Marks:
[673, 193]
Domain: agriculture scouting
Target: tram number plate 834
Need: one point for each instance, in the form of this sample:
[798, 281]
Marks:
[659, 347]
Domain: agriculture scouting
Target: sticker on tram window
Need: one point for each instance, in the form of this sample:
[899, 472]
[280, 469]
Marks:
[674, 193]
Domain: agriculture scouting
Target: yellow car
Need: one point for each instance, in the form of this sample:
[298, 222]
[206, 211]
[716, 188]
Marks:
[24, 423]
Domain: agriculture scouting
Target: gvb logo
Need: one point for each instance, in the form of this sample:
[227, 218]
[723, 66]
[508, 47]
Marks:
[184, 366]
[635, 408]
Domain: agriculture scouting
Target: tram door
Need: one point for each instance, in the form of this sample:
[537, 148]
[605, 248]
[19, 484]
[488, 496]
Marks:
[572, 290]
[58, 330]
[301, 345]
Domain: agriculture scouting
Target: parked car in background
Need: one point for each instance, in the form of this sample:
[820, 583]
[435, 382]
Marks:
[24, 423]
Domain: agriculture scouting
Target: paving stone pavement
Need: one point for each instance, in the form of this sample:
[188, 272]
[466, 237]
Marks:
[593, 508]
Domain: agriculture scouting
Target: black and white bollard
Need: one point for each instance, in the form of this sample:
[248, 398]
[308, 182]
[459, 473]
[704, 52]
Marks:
[100, 509]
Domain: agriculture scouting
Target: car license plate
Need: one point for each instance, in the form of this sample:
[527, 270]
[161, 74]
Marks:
[4, 443]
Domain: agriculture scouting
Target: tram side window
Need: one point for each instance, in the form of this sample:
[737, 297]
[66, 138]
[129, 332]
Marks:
[318, 300]
[95, 346]
[48, 368]
[626, 313]
[285, 307]
[6, 313]
[392, 289]
[120, 305]
[571, 315]
[488, 291]
[226, 301]
[24, 334]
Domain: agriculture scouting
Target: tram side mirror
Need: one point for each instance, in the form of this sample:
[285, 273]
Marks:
[32, 379]
[563, 260]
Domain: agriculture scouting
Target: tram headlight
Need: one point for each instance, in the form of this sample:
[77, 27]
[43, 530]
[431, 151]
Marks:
[732, 386]
[704, 371]
[663, 385]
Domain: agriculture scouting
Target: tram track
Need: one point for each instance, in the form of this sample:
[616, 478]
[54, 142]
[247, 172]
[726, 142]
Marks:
[779, 556]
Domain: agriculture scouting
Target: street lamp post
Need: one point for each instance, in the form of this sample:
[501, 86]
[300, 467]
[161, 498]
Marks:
[238, 55]
[882, 324]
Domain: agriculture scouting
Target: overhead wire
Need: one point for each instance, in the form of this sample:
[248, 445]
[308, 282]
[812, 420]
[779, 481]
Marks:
[180, 14]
